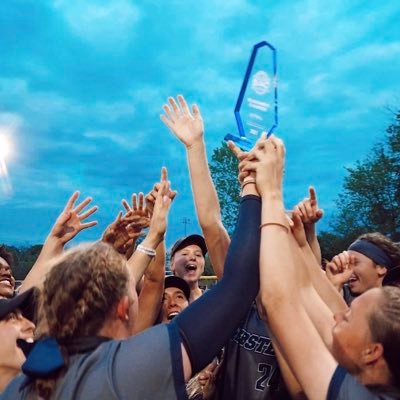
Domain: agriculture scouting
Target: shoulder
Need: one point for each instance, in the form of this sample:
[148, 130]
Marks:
[343, 386]
[15, 389]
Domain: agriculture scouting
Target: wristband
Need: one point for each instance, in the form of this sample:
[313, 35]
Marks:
[146, 250]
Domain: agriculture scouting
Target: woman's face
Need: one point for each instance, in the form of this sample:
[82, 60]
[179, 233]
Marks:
[188, 263]
[12, 327]
[7, 281]
[366, 274]
[351, 333]
[174, 302]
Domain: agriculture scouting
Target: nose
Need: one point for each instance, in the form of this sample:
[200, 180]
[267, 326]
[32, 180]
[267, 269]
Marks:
[171, 303]
[27, 328]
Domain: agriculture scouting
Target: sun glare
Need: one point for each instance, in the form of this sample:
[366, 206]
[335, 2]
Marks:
[5, 146]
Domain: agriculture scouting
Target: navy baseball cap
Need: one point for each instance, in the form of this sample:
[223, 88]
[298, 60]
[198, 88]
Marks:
[24, 302]
[176, 282]
[187, 241]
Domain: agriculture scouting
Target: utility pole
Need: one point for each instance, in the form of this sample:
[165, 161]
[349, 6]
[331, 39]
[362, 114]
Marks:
[185, 221]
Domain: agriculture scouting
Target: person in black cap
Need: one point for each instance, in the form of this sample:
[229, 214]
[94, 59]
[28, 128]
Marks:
[14, 325]
[175, 299]
[187, 262]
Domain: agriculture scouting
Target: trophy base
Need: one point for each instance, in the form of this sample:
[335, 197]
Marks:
[241, 141]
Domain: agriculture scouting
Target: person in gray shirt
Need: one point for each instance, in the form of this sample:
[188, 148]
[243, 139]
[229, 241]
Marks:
[88, 311]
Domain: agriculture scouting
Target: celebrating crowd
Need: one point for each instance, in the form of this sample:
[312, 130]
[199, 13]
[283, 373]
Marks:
[102, 321]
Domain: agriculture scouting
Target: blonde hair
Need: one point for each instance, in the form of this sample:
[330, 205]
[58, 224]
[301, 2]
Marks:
[384, 324]
[79, 293]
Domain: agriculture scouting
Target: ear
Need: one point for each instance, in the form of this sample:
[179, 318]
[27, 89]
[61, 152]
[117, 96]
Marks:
[372, 353]
[172, 264]
[381, 270]
[122, 310]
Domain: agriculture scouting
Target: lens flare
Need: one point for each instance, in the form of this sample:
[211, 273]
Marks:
[5, 151]
[5, 146]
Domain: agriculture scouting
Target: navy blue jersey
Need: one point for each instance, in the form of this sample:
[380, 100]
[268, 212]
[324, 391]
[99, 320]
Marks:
[250, 368]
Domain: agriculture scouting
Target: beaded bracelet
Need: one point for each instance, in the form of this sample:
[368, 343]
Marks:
[146, 250]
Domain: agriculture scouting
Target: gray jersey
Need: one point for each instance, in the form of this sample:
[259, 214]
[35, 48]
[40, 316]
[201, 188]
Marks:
[344, 387]
[250, 368]
[140, 367]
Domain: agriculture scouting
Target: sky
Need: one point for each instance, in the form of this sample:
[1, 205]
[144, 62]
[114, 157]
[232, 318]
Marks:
[82, 84]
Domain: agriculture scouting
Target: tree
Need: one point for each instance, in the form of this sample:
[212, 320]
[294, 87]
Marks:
[224, 171]
[370, 200]
[24, 258]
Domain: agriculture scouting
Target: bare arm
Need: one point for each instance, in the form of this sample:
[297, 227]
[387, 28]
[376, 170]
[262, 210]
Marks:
[139, 260]
[150, 296]
[310, 214]
[68, 224]
[188, 127]
[278, 279]
[292, 384]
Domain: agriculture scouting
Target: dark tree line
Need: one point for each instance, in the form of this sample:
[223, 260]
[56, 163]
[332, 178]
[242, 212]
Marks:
[24, 258]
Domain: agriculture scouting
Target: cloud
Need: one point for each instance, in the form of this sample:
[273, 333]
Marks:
[105, 137]
[104, 24]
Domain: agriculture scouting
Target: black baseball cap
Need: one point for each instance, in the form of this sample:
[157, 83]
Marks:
[176, 282]
[24, 301]
[187, 241]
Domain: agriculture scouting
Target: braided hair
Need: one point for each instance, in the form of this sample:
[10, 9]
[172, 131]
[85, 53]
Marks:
[79, 293]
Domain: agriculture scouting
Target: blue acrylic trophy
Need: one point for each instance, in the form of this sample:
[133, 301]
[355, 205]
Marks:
[256, 110]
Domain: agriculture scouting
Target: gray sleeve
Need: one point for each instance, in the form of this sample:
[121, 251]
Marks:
[344, 387]
[141, 367]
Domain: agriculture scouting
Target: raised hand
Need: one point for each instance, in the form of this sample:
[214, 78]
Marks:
[243, 157]
[309, 211]
[297, 227]
[150, 197]
[339, 270]
[267, 159]
[137, 217]
[118, 236]
[69, 223]
[158, 223]
[187, 126]
[204, 383]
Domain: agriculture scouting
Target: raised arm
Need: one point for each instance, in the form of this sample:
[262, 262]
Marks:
[68, 224]
[310, 214]
[188, 127]
[123, 233]
[151, 294]
[150, 297]
[340, 269]
[281, 291]
[144, 253]
[231, 296]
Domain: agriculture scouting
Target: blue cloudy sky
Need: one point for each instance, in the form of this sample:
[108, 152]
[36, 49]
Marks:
[82, 83]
